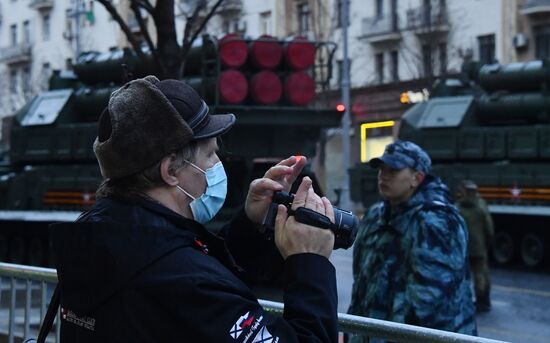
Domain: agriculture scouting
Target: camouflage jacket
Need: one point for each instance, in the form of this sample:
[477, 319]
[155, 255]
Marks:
[410, 266]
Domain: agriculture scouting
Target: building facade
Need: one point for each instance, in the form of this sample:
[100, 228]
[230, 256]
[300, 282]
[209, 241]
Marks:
[532, 37]
[39, 36]
[398, 46]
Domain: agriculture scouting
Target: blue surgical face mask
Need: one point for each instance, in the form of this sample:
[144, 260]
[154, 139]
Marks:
[205, 207]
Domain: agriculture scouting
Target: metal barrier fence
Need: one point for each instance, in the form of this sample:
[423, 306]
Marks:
[24, 278]
[29, 281]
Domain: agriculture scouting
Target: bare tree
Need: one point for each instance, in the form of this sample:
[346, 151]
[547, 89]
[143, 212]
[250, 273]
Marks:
[168, 55]
[412, 50]
[16, 93]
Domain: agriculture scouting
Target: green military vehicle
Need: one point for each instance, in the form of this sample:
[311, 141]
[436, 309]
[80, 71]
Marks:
[51, 173]
[490, 125]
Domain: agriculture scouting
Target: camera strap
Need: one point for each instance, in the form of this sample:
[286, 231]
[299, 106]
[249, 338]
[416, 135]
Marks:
[47, 323]
[308, 216]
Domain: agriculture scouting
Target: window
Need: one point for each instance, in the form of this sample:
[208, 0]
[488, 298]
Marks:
[542, 41]
[232, 25]
[13, 81]
[486, 48]
[303, 18]
[394, 66]
[13, 34]
[46, 27]
[442, 58]
[226, 26]
[68, 34]
[26, 80]
[394, 17]
[45, 76]
[427, 60]
[427, 15]
[235, 25]
[379, 57]
[265, 23]
[379, 8]
[26, 32]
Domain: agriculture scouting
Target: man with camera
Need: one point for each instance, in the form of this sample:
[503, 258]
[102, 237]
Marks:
[410, 258]
[141, 267]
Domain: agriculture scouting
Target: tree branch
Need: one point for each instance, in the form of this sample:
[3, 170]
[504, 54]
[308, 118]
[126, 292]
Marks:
[135, 5]
[145, 4]
[190, 21]
[205, 21]
[187, 43]
[124, 27]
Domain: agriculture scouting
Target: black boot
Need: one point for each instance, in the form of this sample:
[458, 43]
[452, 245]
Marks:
[483, 303]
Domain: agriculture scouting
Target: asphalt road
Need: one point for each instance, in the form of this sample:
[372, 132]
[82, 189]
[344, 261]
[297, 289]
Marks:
[521, 302]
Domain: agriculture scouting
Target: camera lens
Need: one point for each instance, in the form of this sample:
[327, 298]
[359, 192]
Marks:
[346, 228]
[345, 223]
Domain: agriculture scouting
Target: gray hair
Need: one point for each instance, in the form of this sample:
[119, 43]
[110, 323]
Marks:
[137, 184]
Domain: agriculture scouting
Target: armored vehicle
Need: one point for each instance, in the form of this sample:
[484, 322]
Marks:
[491, 125]
[51, 173]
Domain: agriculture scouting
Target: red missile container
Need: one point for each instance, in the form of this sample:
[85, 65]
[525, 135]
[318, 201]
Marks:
[299, 88]
[299, 53]
[233, 51]
[266, 52]
[266, 88]
[233, 87]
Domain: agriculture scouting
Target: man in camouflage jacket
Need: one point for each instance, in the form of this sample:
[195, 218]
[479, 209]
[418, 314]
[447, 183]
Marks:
[410, 256]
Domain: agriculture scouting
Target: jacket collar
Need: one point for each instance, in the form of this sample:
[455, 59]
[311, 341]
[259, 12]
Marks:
[205, 237]
[431, 190]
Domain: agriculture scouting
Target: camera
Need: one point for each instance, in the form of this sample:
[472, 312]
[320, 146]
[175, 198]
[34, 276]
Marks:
[344, 227]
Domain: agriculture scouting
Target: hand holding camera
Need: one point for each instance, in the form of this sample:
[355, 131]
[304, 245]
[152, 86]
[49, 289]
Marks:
[307, 211]
[277, 178]
[293, 237]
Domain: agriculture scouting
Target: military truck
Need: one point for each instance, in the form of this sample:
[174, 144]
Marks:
[491, 124]
[51, 173]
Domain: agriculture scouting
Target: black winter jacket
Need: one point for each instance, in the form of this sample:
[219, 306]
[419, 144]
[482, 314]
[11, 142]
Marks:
[139, 272]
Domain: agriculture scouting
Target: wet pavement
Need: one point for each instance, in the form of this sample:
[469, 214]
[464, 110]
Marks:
[520, 302]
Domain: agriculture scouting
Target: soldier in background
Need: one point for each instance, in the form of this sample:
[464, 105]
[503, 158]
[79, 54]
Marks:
[410, 257]
[475, 212]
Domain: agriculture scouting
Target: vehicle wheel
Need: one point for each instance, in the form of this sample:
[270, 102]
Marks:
[17, 250]
[3, 248]
[503, 247]
[532, 250]
[36, 252]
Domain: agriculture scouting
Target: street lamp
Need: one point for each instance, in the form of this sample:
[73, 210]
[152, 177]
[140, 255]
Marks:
[345, 201]
[78, 10]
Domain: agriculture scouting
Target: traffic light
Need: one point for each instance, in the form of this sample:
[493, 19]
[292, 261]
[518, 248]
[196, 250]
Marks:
[340, 107]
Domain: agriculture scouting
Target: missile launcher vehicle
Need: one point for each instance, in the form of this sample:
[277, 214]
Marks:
[51, 174]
